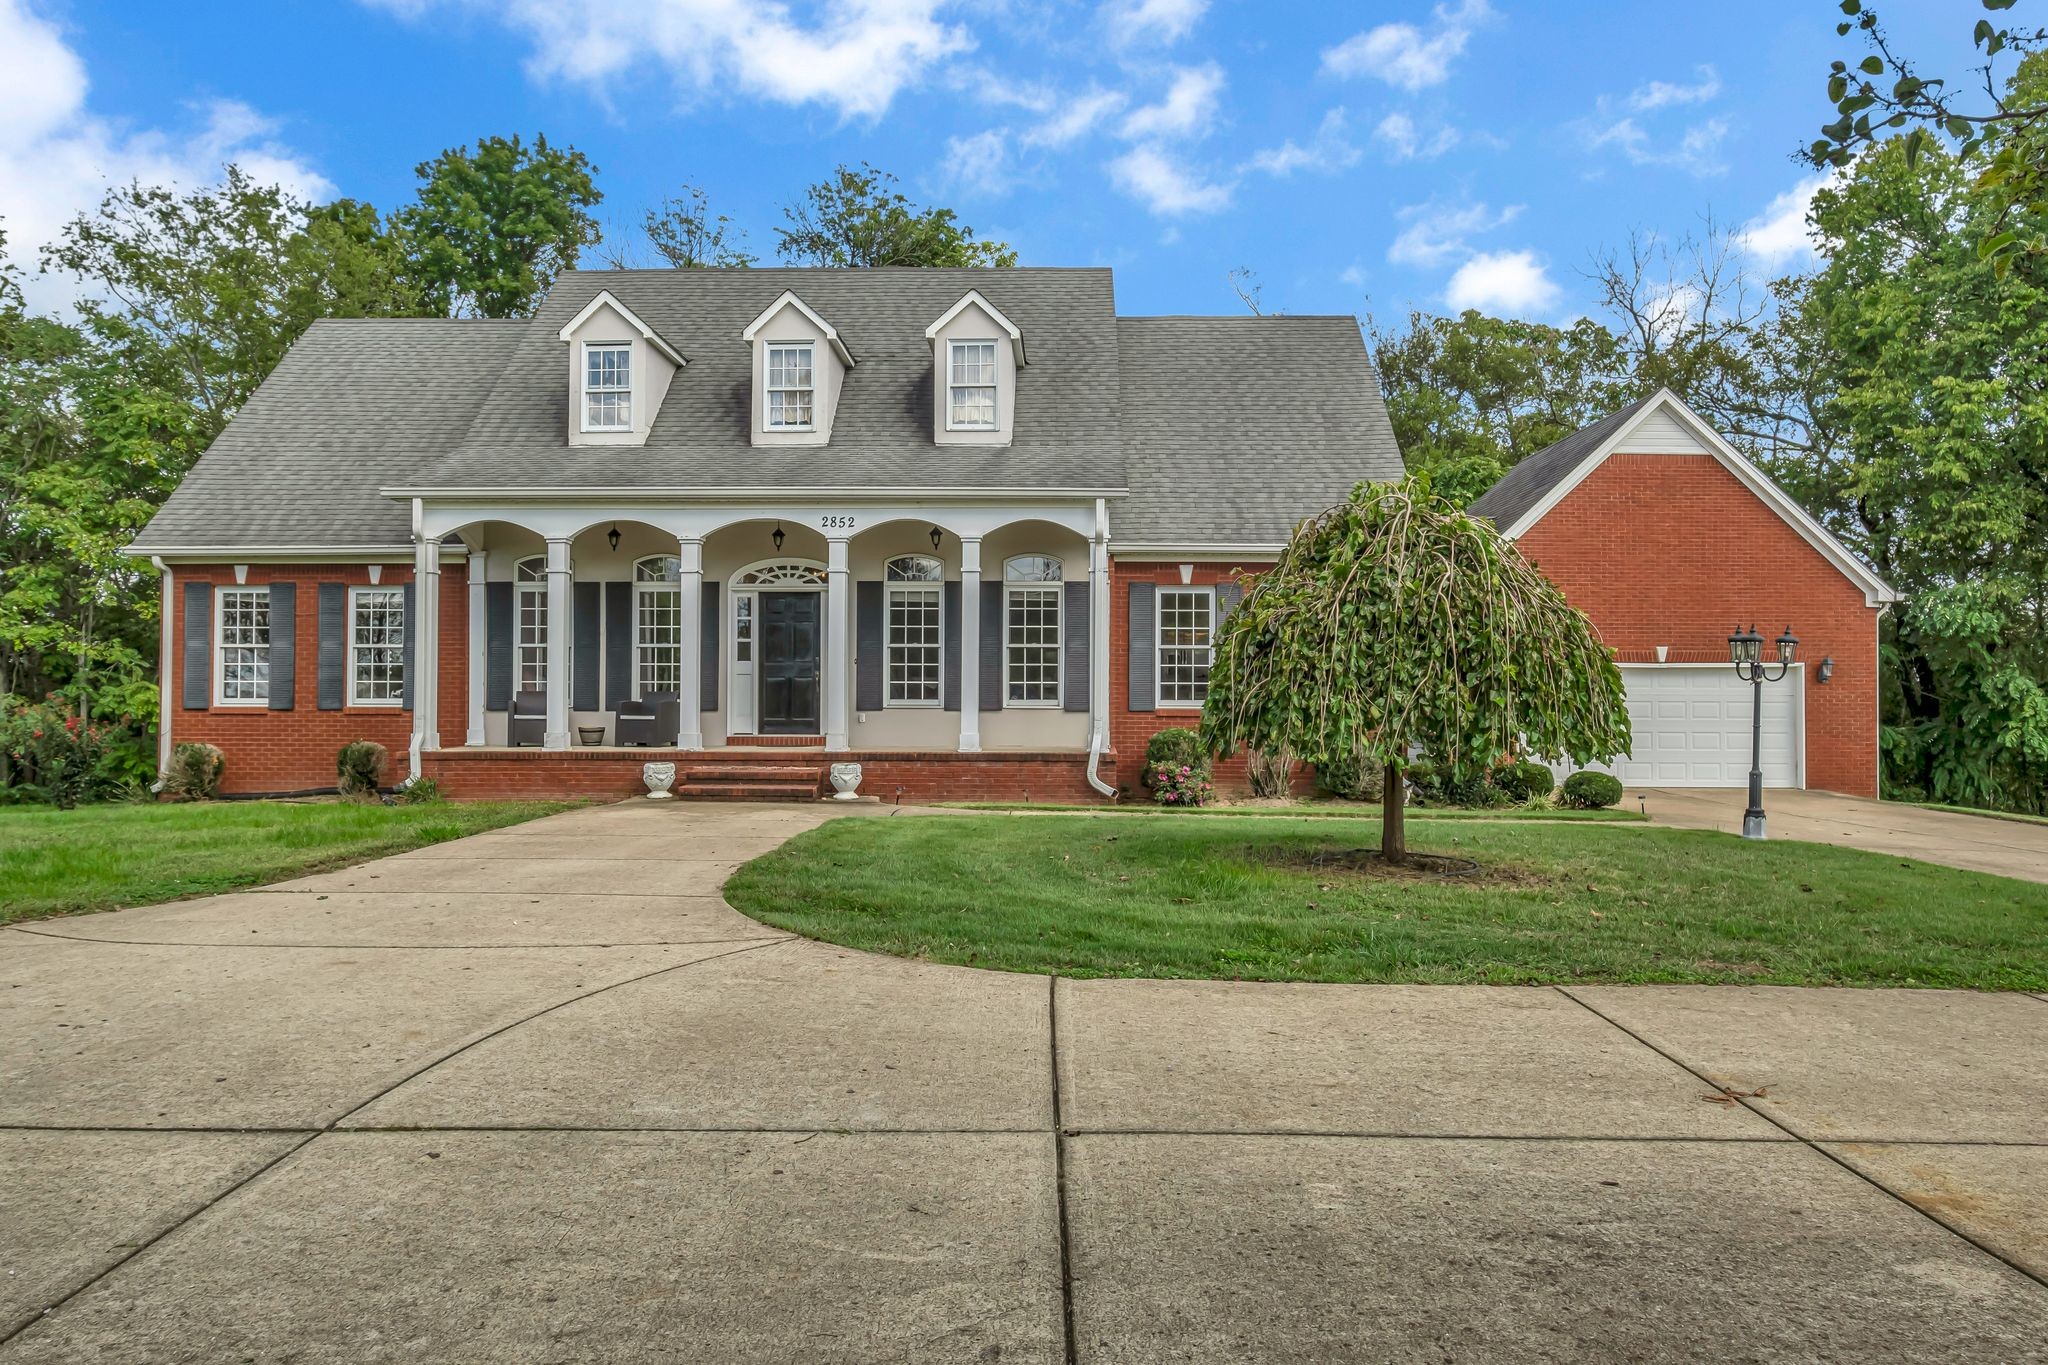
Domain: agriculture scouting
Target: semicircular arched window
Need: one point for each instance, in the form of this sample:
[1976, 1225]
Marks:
[914, 569]
[1031, 569]
[658, 569]
[795, 572]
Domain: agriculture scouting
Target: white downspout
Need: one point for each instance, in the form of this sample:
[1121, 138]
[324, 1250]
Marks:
[163, 678]
[419, 559]
[1098, 649]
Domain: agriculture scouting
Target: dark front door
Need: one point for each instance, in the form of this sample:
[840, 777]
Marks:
[789, 663]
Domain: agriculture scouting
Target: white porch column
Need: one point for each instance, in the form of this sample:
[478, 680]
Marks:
[970, 644]
[426, 692]
[690, 565]
[838, 644]
[1099, 662]
[559, 626]
[479, 659]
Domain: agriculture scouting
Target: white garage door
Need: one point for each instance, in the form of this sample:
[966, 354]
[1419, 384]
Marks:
[1691, 726]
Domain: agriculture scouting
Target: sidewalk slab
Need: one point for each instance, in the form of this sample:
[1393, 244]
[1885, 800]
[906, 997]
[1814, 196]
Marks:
[792, 1035]
[481, 870]
[1995, 1195]
[1898, 1065]
[106, 1035]
[1216, 1056]
[1227, 1249]
[72, 1204]
[550, 1247]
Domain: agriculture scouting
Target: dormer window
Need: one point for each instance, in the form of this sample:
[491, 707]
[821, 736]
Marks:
[971, 401]
[608, 386]
[791, 387]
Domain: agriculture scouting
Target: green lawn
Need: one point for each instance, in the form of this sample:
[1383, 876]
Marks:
[56, 862]
[1103, 895]
[1331, 810]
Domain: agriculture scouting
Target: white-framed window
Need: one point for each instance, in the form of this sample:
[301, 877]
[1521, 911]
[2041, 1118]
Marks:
[530, 636]
[791, 386]
[607, 386]
[658, 625]
[912, 630]
[971, 386]
[1031, 631]
[1186, 645]
[376, 646]
[241, 647]
[743, 628]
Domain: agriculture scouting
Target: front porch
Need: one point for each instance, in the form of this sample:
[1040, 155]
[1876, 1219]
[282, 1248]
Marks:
[771, 770]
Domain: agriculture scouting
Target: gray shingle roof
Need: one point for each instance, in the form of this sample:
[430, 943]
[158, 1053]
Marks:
[1522, 487]
[1211, 423]
[1236, 428]
[354, 406]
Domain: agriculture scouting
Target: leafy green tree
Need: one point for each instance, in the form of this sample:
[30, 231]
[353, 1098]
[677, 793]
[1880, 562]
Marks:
[2002, 136]
[859, 218]
[684, 231]
[493, 227]
[1395, 623]
[1471, 396]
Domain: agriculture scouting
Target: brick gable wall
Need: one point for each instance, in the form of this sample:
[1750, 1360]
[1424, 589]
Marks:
[1674, 550]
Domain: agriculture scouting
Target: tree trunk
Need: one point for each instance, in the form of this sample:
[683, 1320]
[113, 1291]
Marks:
[1393, 832]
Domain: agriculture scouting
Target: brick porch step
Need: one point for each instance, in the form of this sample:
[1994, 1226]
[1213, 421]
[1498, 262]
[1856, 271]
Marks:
[747, 791]
[751, 782]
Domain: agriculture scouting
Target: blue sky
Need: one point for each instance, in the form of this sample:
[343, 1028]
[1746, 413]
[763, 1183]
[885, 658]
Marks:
[1371, 157]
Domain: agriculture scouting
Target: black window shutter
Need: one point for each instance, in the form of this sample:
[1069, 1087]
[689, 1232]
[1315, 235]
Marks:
[497, 646]
[949, 671]
[284, 644]
[411, 639]
[1228, 595]
[198, 688]
[991, 671]
[583, 669]
[709, 652]
[1144, 638]
[618, 644]
[333, 625]
[1074, 622]
[867, 646]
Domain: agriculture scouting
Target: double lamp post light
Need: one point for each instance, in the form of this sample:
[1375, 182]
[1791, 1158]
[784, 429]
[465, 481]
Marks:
[1746, 651]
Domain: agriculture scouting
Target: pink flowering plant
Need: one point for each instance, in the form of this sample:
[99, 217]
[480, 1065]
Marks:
[52, 755]
[1183, 784]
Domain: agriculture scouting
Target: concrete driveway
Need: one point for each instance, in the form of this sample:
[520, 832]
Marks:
[539, 1095]
[2011, 848]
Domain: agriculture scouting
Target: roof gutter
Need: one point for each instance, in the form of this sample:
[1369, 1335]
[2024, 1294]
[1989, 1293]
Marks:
[783, 492]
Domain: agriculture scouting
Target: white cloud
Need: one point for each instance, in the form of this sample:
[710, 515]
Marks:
[1166, 186]
[1329, 152]
[1436, 233]
[855, 56]
[1404, 56]
[1504, 283]
[1657, 94]
[1075, 119]
[1353, 275]
[1401, 140]
[1698, 151]
[980, 165]
[1151, 21]
[1187, 108]
[1780, 235]
[57, 157]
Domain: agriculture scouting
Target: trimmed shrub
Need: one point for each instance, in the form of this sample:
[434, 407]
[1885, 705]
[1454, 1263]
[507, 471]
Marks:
[1350, 779]
[359, 768]
[1591, 791]
[1526, 781]
[194, 772]
[1448, 786]
[1181, 784]
[1176, 746]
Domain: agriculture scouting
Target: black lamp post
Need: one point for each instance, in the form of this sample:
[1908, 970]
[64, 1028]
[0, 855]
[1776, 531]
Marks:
[1746, 651]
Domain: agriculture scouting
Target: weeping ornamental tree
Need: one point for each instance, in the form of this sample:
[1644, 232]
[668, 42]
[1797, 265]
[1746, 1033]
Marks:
[1396, 625]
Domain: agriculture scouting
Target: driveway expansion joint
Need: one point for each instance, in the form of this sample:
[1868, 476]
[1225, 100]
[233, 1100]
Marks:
[408, 947]
[1059, 1170]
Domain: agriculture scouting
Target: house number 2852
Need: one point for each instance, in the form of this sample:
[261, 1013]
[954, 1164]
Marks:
[836, 522]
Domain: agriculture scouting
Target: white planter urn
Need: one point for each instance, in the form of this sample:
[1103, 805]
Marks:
[845, 781]
[659, 777]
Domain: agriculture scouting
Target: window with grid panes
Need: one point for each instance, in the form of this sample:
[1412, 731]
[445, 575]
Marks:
[608, 387]
[531, 626]
[376, 646]
[1186, 621]
[912, 630]
[242, 655]
[972, 385]
[658, 625]
[790, 387]
[1031, 631]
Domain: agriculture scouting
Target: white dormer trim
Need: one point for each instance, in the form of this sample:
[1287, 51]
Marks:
[825, 329]
[973, 298]
[605, 298]
[1876, 592]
